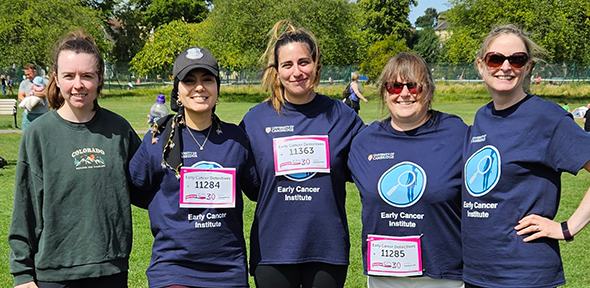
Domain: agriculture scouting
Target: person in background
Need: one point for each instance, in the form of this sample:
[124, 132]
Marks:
[514, 156]
[3, 79]
[355, 93]
[587, 119]
[300, 140]
[31, 101]
[192, 167]
[24, 90]
[71, 220]
[9, 83]
[413, 168]
[566, 106]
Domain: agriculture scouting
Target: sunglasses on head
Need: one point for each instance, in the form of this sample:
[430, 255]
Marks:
[396, 87]
[516, 60]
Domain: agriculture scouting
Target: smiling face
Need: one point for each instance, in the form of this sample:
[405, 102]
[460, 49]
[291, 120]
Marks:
[77, 80]
[408, 110]
[505, 81]
[297, 72]
[198, 92]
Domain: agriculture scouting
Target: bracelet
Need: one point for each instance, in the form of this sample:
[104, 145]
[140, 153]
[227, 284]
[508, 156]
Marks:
[566, 232]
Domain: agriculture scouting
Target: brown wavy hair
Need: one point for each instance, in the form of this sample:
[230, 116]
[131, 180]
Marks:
[79, 42]
[278, 39]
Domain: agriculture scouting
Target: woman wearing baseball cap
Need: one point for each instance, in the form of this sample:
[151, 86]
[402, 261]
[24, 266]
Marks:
[193, 167]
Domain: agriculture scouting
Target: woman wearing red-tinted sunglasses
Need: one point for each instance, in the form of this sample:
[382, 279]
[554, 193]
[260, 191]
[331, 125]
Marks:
[410, 166]
[514, 155]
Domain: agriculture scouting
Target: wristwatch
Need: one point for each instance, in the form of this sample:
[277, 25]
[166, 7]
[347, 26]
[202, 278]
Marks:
[566, 232]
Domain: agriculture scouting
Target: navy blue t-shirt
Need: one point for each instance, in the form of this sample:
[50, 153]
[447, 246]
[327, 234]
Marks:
[196, 246]
[513, 164]
[423, 168]
[301, 217]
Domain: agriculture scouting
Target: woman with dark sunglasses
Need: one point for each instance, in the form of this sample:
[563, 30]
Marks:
[408, 171]
[514, 155]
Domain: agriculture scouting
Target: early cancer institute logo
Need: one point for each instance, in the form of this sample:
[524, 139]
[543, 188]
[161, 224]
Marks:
[206, 165]
[482, 171]
[300, 177]
[403, 184]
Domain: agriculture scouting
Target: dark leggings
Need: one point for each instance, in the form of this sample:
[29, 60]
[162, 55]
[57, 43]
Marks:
[112, 281]
[306, 275]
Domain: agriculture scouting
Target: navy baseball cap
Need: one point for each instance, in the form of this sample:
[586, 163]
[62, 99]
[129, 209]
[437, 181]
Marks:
[194, 57]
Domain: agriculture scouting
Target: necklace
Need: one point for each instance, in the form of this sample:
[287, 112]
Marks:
[206, 138]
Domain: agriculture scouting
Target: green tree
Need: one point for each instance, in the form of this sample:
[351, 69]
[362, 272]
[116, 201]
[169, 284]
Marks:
[160, 52]
[30, 28]
[106, 7]
[386, 17]
[427, 45]
[429, 19]
[161, 12]
[136, 19]
[561, 27]
[379, 54]
[128, 34]
[237, 29]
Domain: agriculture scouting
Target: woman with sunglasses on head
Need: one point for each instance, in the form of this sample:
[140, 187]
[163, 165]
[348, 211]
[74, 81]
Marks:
[300, 140]
[408, 171]
[193, 167]
[514, 155]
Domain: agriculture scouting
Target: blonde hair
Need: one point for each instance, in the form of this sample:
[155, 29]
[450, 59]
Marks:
[411, 68]
[533, 50]
[354, 76]
[278, 39]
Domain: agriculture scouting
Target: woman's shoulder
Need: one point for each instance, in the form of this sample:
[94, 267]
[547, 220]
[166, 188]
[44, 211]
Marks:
[448, 117]
[230, 127]
[258, 109]
[544, 108]
[112, 116]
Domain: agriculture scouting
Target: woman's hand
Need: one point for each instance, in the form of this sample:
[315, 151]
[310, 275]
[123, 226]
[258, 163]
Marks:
[538, 227]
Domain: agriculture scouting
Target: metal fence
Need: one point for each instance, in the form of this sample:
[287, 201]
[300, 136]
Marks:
[122, 76]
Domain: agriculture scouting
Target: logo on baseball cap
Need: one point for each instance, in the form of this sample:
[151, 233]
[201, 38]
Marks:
[194, 57]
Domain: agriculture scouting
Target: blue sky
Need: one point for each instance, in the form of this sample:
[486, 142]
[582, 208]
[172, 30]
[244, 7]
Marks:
[418, 11]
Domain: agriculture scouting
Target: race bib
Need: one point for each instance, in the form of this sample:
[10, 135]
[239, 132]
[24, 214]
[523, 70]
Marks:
[207, 188]
[301, 154]
[394, 256]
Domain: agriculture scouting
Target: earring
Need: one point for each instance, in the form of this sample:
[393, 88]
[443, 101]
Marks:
[178, 103]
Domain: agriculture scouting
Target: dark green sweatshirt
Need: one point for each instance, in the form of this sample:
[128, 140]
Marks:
[71, 217]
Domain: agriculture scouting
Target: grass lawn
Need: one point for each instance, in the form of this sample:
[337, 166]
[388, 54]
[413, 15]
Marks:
[134, 105]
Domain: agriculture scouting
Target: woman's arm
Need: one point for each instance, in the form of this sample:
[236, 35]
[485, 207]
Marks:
[357, 92]
[539, 226]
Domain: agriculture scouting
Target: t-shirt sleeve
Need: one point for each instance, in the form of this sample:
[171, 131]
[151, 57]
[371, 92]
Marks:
[137, 195]
[569, 147]
[141, 173]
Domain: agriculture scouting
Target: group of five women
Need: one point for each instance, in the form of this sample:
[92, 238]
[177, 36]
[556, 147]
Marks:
[444, 204]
